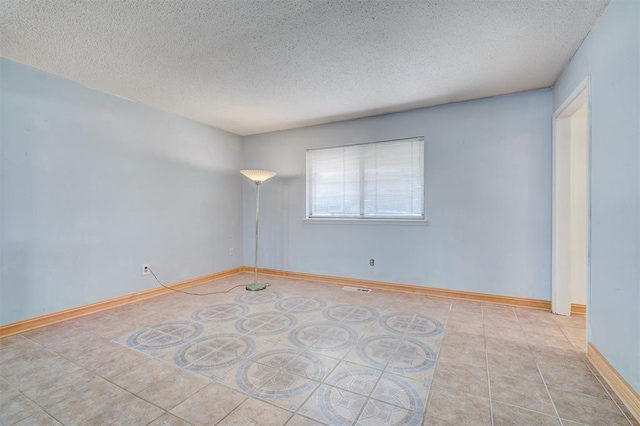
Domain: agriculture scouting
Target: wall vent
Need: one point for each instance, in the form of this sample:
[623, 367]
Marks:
[357, 289]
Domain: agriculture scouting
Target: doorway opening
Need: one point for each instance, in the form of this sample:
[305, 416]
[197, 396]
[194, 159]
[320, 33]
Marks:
[571, 189]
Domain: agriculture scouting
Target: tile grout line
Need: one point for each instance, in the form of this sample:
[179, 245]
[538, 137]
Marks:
[546, 388]
[484, 311]
[435, 369]
[368, 398]
[94, 374]
[591, 369]
[29, 399]
[486, 357]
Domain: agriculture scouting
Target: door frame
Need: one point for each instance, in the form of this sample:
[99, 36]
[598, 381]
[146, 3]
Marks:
[560, 221]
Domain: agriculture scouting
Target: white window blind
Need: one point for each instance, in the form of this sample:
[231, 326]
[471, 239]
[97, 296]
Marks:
[380, 180]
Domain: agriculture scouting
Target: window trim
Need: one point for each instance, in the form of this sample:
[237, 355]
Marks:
[362, 219]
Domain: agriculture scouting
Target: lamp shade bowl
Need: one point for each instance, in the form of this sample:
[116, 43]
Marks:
[258, 176]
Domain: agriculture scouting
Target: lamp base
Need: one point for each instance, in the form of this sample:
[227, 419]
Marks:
[256, 286]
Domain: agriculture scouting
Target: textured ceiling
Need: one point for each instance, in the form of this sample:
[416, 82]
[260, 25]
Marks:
[262, 65]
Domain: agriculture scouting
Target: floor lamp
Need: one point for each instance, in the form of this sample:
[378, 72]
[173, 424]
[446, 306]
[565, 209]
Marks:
[258, 177]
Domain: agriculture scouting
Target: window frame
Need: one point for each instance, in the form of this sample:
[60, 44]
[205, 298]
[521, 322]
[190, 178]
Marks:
[377, 220]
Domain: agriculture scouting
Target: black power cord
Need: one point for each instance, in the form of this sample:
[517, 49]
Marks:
[196, 294]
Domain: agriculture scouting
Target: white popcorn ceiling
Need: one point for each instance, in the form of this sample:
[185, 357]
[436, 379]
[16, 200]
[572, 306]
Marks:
[263, 65]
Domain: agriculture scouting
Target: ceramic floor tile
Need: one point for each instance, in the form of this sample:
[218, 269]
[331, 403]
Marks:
[529, 395]
[49, 391]
[574, 377]
[279, 341]
[333, 406]
[23, 360]
[214, 352]
[305, 347]
[92, 400]
[463, 378]
[297, 420]
[5, 388]
[15, 407]
[168, 419]
[173, 389]
[143, 375]
[587, 409]
[508, 415]
[464, 306]
[287, 391]
[7, 342]
[511, 334]
[411, 324]
[116, 365]
[374, 351]
[377, 413]
[249, 377]
[457, 408]
[467, 328]
[41, 418]
[16, 346]
[354, 378]
[552, 341]
[402, 392]
[287, 387]
[435, 421]
[128, 410]
[465, 341]
[324, 337]
[457, 355]
[520, 366]
[350, 313]
[254, 412]
[199, 409]
[312, 365]
[555, 356]
[507, 347]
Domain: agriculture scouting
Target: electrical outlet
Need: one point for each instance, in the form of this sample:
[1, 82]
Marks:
[231, 251]
[145, 269]
[371, 262]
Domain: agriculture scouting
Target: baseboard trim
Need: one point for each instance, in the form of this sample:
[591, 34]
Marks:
[413, 289]
[577, 309]
[56, 317]
[625, 392]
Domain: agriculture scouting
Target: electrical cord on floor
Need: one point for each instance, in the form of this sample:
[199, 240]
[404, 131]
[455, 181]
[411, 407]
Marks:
[196, 294]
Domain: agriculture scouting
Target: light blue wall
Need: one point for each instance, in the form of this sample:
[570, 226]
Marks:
[610, 56]
[93, 186]
[488, 200]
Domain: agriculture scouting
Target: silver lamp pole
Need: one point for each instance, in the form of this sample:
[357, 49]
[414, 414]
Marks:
[258, 177]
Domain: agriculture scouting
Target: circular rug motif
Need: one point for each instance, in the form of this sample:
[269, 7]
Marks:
[350, 313]
[396, 391]
[360, 381]
[340, 407]
[398, 355]
[323, 336]
[412, 324]
[265, 323]
[300, 304]
[220, 312]
[164, 335]
[280, 374]
[214, 352]
[257, 297]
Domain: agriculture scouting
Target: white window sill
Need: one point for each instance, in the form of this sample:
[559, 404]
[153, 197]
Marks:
[343, 221]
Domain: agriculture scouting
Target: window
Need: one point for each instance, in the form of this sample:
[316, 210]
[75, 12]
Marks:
[380, 180]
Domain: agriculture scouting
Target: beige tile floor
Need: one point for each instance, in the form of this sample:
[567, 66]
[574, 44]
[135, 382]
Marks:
[303, 353]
